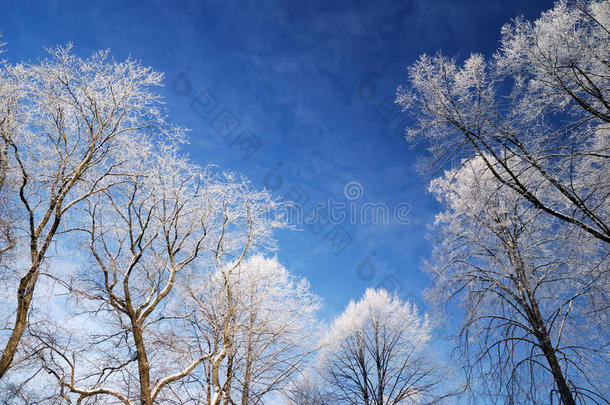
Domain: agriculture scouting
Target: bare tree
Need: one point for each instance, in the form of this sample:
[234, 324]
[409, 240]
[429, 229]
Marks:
[154, 229]
[374, 353]
[308, 389]
[275, 328]
[524, 239]
[251, 212]
[555, 120]
[260, 318]
[74, 124]
[533, 290]
[141, 236]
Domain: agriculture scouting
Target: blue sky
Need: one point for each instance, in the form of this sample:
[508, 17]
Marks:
[311, 83]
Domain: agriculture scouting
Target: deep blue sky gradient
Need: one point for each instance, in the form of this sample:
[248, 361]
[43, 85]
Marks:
[312, 81]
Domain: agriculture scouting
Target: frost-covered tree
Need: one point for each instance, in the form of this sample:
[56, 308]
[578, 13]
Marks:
[533, 289]
[73, 125]
[555, 120]
[375, 353]
[258, 321]
[159, 228]
[525, 236]
[308, 389]
[141, 236]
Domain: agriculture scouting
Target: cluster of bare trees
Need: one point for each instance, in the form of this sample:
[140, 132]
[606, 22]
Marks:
[130, 274]
[523, 244]
[254, 316]
[377, 352]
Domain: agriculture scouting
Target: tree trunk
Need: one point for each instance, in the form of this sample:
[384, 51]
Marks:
[245, 394]
[227, 390]
[143, 366]
[24, 299]
[227, 346]
[544, 340]
[365, 377]
[541, 331]
[217, 388]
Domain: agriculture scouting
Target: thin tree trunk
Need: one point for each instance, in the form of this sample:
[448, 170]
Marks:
[550, 354]
[245, 394]
[24, 299]
[540, 330]
[217, 388]
[227, 391]
[227, 345]
[365, 377]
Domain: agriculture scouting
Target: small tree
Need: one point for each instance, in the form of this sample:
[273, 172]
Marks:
[374, 353]
[308, 389]
[260, 318]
